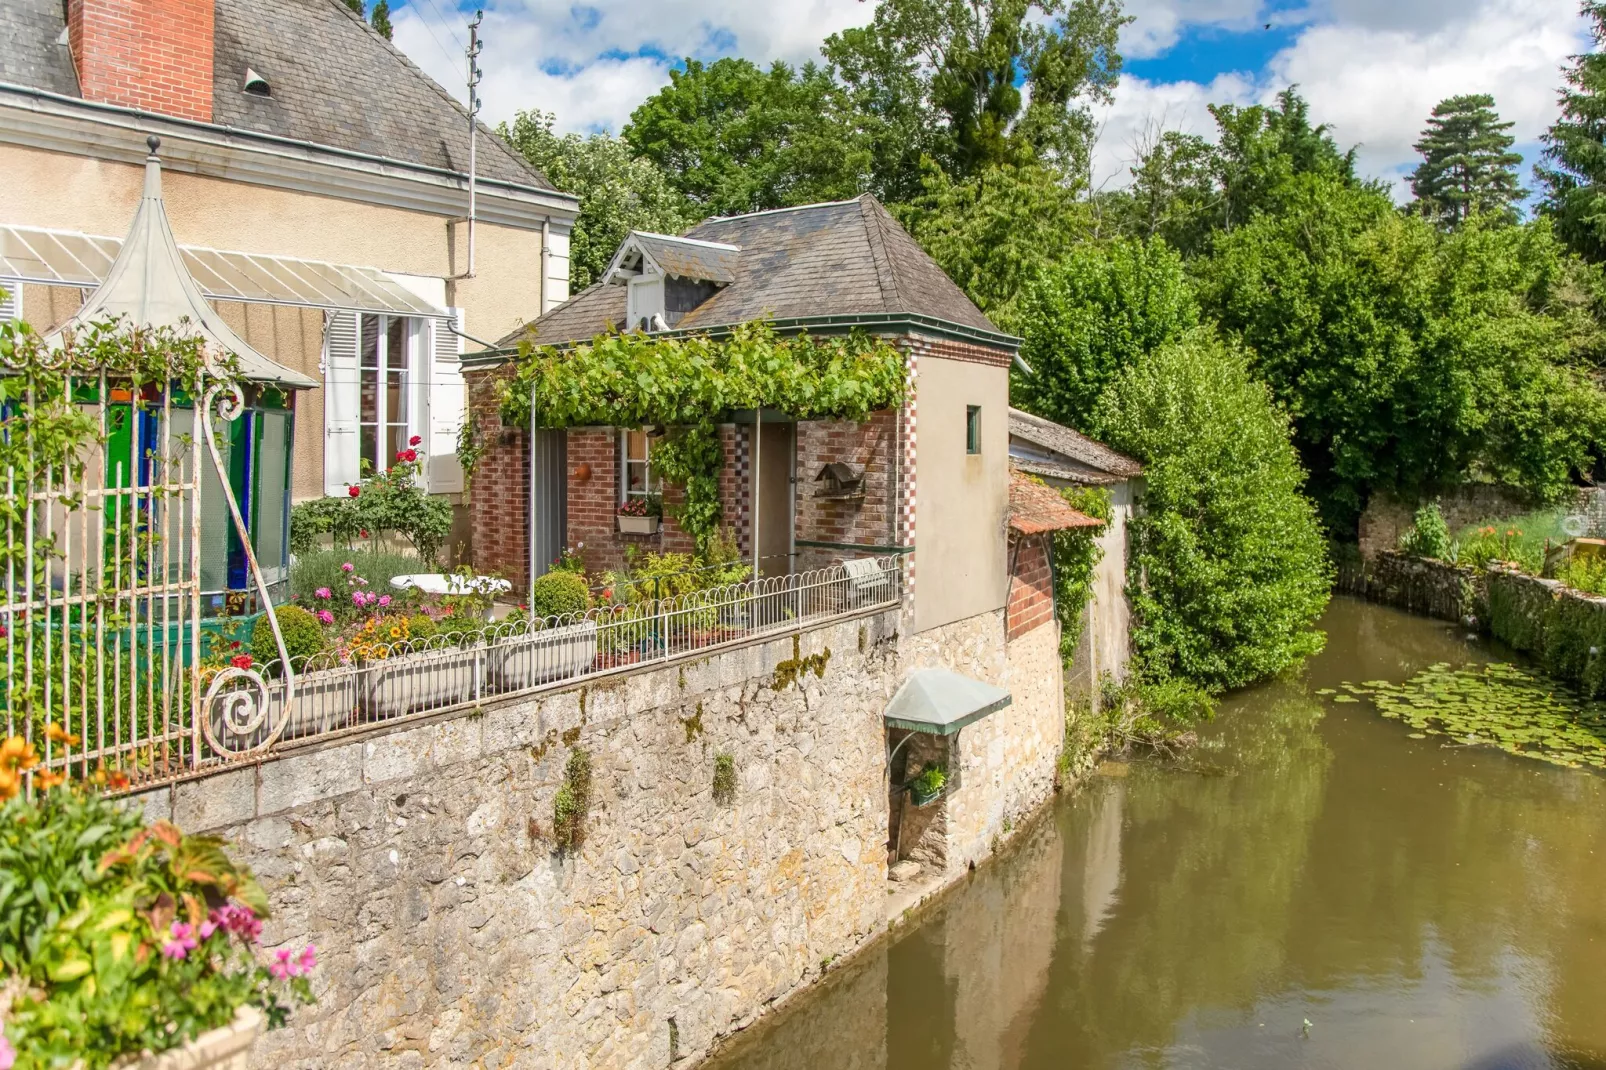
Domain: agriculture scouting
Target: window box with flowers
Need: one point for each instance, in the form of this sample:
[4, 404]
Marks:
[641, 515]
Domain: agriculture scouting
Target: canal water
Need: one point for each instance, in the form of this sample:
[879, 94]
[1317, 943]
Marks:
[1310, 888]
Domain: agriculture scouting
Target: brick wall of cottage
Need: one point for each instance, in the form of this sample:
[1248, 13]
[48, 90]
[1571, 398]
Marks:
[1031, 586]
[870, 520]
[154, 55]
[499, 487]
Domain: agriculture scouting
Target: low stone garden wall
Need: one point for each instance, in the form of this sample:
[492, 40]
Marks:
[1562, 629]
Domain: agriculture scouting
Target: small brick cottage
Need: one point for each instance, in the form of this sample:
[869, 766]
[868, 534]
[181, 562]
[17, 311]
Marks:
[930, 481]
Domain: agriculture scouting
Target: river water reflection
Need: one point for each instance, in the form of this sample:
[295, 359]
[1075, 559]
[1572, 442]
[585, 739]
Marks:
[1420, 906]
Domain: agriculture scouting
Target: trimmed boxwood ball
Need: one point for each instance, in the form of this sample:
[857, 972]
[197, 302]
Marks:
[303, 637]
[559, 593]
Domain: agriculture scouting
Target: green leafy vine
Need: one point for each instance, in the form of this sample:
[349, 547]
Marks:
[689, 384]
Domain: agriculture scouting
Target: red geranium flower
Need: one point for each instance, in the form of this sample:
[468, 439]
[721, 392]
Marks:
[353, 491]
[415, 440]
[241, 661]
[363, 534]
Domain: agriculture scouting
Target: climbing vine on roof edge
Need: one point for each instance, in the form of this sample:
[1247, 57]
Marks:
[687, 384]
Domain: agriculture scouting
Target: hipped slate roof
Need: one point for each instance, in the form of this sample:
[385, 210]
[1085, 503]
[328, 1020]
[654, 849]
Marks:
[334, 82]
[837, 259]
[1035, 508]
[1063, 453]
[689, 259]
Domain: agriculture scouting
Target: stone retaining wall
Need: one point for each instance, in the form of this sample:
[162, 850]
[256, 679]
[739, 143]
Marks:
[1420, 585]
[420, 859]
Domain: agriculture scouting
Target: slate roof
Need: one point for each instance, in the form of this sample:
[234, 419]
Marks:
[334, 82]
[836, 259]
[690, 259]
[1035, 508]
[1066, 454]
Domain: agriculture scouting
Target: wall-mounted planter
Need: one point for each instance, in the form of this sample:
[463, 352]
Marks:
[228, 1048]
[543, 656]
[323, 702]
[923, 797]
[428, 680]
[639, 525]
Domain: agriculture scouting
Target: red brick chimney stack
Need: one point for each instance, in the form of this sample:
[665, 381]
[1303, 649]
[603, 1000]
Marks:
[154, 55]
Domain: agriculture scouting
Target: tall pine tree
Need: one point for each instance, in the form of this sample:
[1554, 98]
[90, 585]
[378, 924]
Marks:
[1574, 175]
[1467, 163]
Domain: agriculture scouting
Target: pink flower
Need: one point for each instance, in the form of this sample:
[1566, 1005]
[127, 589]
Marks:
[239, 920]
[356, 599]
[308, 959]
[287, 964]
[280, 966]
[324, 592]
[384, 600]
[208, 927]
[347, 567]
[8, 1054]
[415, 440]
[325, 617]
[370, 597]
[183, 941]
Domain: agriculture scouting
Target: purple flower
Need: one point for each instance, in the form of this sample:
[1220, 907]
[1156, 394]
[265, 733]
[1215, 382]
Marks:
[239, 920]
[347, 567]
[183, 941]
[324, 592]
[356, 599]
[384, 600]
[325, 617]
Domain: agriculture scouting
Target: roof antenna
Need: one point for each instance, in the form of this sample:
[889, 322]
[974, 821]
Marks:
[474, 76]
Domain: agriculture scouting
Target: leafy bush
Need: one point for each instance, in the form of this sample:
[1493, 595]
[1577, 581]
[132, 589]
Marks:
[1428, 535]
[391, 500]
[126, 938]
[303, 637]
[420, 626]
[559, 594]
[1584, 572]
[1228, 565]
[724, 786]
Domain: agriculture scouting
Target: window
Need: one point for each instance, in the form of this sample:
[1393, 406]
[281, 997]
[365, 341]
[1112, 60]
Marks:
[972, 428]
[384, 374]
[637, 478]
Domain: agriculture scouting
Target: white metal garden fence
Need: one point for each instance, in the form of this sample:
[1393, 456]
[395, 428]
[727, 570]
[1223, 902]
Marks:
[344, 690]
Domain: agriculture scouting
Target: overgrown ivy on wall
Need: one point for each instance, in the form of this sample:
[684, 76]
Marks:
[1076, 555]
[688, 384]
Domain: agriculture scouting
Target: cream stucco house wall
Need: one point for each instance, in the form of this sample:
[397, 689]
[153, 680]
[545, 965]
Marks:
[316, 176]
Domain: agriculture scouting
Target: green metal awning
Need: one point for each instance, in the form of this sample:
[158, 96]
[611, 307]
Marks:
[940, 702]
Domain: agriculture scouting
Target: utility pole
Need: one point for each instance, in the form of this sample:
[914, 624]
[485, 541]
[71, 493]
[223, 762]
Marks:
[474, 75]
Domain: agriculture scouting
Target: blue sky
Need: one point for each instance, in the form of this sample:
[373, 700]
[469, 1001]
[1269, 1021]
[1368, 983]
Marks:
[1372, 69]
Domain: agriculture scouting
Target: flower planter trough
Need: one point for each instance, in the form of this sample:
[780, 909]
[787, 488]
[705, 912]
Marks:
[922, 796]
[429, 680]
[323, 702]
[227, 1048]
[639, 525]
[543, 656]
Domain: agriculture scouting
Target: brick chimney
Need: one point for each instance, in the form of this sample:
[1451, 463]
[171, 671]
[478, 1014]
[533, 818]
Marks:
[154, 55]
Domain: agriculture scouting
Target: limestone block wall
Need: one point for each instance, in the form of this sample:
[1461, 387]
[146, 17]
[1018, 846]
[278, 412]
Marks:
[451, 932]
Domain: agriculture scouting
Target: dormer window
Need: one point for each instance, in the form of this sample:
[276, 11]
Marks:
[668, 278]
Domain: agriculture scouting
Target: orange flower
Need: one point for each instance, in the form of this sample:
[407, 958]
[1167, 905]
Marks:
[58, 734]
[46, 779]
[17, 754]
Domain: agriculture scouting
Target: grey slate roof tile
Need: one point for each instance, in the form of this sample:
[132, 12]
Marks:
[841, 258]
[334, 82]
[1067, 443]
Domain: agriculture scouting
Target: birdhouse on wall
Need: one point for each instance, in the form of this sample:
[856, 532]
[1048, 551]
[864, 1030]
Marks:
[842, 482]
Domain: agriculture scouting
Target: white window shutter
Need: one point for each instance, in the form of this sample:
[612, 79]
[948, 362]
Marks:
[10, 299]
[448, 402]
[341, 402]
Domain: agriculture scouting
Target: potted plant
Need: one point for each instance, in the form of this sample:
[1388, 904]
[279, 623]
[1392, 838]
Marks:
[123, 945]
[926, 788]
[641, 515]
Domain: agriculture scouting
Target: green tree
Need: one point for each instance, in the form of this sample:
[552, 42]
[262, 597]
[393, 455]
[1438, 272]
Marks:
[734, 138]
[1093, 315]
[1467, 164]
[1409, 358]
[1573, 178]
[979, 83]
[1228, 567]
[995, 230]
[619, 191]
[379, 18]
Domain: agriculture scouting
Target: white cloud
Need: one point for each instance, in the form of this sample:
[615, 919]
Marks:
[1157, 24]
[1376, 78]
